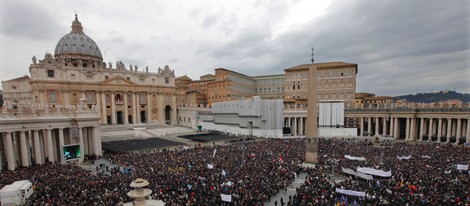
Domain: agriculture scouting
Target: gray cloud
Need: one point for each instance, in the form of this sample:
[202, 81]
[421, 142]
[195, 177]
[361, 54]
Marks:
[23, 19]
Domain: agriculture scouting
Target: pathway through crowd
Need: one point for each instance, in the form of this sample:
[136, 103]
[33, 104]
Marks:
[291, 191]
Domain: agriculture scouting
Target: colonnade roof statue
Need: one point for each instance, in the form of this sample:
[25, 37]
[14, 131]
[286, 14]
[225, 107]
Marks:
[77, 43]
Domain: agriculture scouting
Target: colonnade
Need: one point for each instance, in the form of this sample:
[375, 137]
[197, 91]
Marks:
[297, 125]
[37, 146]
[421, 128]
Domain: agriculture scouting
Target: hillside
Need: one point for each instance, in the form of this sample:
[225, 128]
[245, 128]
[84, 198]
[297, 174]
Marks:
[434, 97]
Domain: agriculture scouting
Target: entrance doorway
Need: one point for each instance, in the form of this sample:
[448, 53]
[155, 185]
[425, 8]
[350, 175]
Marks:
[109, 120]
[143, 118]
[129, 119]
[168, 114]
[119, 118]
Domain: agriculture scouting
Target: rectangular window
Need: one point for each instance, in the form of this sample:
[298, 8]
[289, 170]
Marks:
[50, 73]
[167, 80]
[106, 77]
[13, 87]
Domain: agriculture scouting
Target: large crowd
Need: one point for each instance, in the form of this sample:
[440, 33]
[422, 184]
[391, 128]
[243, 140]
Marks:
[254, 171]
[428, 176]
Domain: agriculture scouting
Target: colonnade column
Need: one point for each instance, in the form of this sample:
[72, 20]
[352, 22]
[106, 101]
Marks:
[97, 141]
[376, 126]
[449, 129]
[421, 129]
[362, 126]
[24, 150]
[468, 131]
[392, 127]
[413, 129]
[459, 128]
[50, 152]
[61, 145]
[113, 109]
[369, 126]
[295, 126]
[407, 131]
[37, 148]
[301, 126]
[384, 126]
[439, 130]
[80, 137]
[395, 129]
[430, 130]
[9, 151]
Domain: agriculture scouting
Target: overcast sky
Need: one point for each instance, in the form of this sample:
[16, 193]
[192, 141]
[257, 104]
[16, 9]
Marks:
[400, 46]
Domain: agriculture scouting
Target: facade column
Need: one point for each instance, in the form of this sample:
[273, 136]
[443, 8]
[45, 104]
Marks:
[459, 128]
[369, 127]
[149, 104]
[439, 130]
[430, 130]
[413, 129]
[61, 145]
[134, 109]
[104, 119]
[384, 126]
[9, 151]
[362, 126]
[50, 152]
[395, 129]
[301, 132]
[37, 148]
[24, 150]
[113, 109]
[421, 129]
[407, 131]
[392, 127]
[468, 131]
[377, 126]
[126, 115]
[80, 137]
[98, 105]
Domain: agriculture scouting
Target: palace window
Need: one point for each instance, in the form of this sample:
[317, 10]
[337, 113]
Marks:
[50, 73]
[13, 87]
[167, 80]
[90, 97]
[52, 97]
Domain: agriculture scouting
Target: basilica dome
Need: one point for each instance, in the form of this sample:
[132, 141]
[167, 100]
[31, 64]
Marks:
[76, 43]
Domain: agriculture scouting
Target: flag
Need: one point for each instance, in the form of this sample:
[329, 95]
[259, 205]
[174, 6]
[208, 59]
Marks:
[224, 173]
[215, 150]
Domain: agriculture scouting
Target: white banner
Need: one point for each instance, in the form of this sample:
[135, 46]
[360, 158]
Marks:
[375, 172]
[404, 157]
[226, 198]
[462, 167]
[210, 166]
[349, 157]
[357, 174]
[351, 192]
[215, 151]
[426, 156]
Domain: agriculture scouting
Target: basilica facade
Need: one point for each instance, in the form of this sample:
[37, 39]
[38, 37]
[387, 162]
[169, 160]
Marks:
[77, 73]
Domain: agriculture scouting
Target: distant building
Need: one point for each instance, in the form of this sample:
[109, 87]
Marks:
[254, 116]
